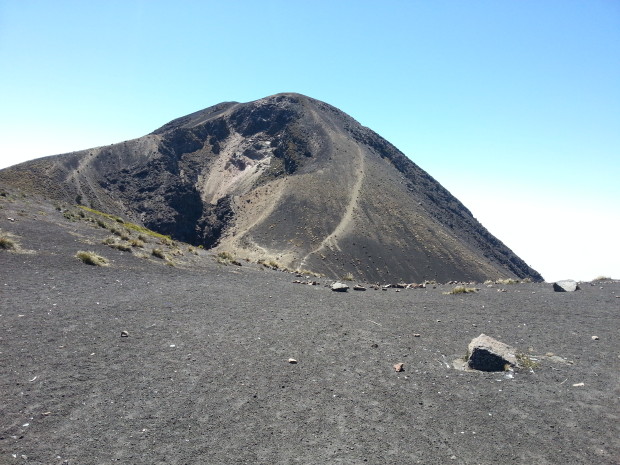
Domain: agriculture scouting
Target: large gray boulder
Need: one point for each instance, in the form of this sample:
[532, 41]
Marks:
[488, 354]
[567, 285]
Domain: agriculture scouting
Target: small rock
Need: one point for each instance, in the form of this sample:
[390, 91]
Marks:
[416, 335]
[359, 287]
[339, 287]
[578, 384]
[124, 334]
[595, 338]
[12, 220]
[374, 346]
[398, 367]
[292, 361]
[567, 285]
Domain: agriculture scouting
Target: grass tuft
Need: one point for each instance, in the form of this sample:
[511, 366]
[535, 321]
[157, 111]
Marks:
[158, 253]
[226, 258]
[462, 290]
[91, 258]
[524, 361]
[310, 273]
[7, 243]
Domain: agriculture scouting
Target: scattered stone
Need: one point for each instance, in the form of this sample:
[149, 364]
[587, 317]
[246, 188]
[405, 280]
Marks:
[374, 346]
[398, 367]
[339, 287]
[567, 285]
[292, 361]
[124, 334]
[359, 287]
[579, 384]
[488, 354]
[309, 283]
[595, 338]
[416, 335]
[12, 220]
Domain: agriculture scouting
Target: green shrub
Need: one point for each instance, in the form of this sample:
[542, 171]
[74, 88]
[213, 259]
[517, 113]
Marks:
[91, 258]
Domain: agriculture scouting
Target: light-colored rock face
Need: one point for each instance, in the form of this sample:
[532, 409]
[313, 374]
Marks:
[567, 285]
[236, 169]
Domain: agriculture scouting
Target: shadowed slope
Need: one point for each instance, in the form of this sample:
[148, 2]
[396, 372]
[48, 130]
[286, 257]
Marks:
[285, 178]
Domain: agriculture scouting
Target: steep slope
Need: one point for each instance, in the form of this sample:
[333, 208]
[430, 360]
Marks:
[289, 179]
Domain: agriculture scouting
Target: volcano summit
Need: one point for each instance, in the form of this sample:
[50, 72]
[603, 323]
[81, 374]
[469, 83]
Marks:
[287, 179]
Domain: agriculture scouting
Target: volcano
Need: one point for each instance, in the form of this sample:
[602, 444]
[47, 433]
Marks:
[286, 179]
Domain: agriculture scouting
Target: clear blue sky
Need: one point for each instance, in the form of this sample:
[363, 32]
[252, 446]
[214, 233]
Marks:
[514, 106]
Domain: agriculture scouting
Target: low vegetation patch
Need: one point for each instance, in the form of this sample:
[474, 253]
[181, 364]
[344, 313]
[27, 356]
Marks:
[226, 258]
[137, 243]
[462, 290]
[156, 252]
[7, 243]
[91, 258]
[122, 246]
[525, 361]
[347, 277]
[309, 273]
[128, 225]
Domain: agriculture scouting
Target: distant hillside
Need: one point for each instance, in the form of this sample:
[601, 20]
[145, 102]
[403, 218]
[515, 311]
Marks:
[288, 179]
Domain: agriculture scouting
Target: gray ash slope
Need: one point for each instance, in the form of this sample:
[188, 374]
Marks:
[287, 179]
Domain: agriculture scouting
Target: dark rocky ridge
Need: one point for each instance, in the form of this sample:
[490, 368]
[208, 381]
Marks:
[285, 178]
